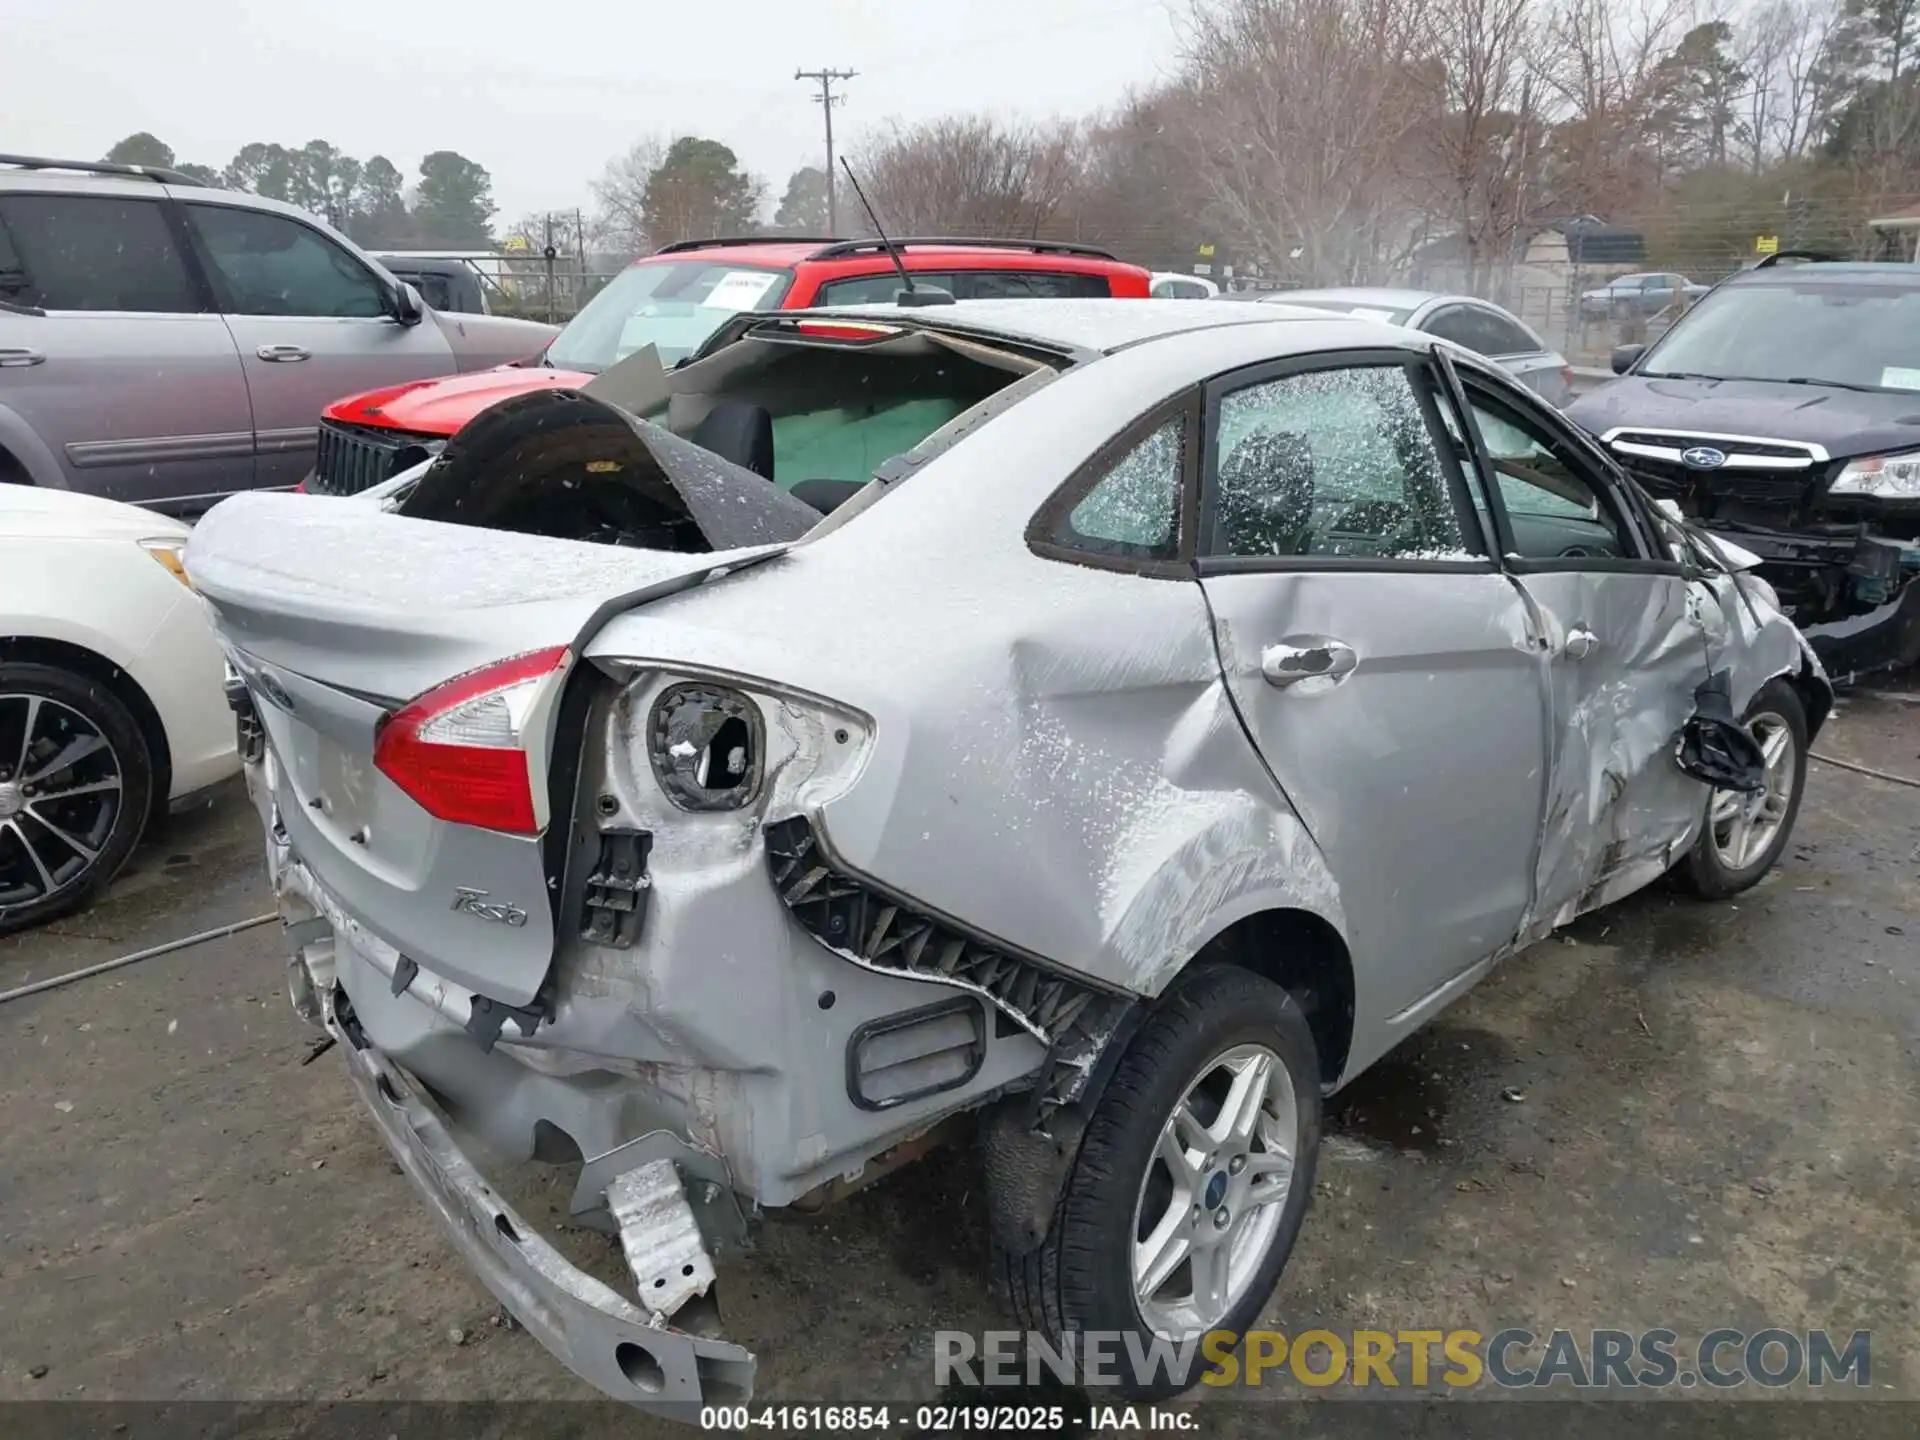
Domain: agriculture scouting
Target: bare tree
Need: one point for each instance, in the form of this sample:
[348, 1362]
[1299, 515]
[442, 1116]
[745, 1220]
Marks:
[1601, 60]
[1304, 110]
[1482, 139]
[1763, 40]
[968, 175]
[621, 196]
[1139, 192]
[1811, 84]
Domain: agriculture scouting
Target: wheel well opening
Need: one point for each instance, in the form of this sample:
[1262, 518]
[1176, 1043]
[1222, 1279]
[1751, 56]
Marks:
[82, 661]
[12, 472]
[1305, 956]
[1816, 699]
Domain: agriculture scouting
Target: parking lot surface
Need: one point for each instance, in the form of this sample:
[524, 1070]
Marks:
[1674, 1114]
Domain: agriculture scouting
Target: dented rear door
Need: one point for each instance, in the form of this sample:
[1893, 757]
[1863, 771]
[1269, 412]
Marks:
[1380, 660]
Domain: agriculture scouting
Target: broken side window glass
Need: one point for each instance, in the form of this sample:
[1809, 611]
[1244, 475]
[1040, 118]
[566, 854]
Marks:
[1134, 509]
[1332, 463]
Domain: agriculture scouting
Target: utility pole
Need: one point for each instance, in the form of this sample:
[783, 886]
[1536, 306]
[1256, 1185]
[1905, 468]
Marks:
[828, 100]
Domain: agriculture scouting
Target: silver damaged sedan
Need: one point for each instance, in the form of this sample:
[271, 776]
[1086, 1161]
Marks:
[1100, 728]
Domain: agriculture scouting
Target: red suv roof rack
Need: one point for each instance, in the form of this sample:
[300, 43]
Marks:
[1034, 247]
[720, 242]
[835, 249]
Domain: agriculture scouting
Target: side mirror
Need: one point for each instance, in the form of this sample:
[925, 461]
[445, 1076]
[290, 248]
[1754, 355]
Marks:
[408, 307]
[1624, 356]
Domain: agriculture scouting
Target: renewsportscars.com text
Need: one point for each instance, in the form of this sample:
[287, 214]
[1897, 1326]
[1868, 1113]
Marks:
[1415, 1359]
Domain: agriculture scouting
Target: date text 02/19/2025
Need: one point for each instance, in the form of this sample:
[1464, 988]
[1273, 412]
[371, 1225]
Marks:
[934, 1419]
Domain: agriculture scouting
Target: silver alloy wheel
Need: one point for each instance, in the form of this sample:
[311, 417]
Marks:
[1210, 1204]
[60, 794]
[1741, 826]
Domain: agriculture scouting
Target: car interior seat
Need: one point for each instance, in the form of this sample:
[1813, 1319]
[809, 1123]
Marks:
[738, 432]
[1266, 495]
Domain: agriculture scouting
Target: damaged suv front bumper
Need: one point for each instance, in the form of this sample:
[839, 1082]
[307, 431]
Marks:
[1819, 577]
[602, 1337]
[1885, 636]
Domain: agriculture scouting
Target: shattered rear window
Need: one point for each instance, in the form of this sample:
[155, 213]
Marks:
[1134, 509]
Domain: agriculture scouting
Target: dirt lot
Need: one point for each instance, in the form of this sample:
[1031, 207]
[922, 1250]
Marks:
[1675, 1115]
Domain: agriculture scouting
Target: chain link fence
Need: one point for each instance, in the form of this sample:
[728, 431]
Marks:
[526, 290]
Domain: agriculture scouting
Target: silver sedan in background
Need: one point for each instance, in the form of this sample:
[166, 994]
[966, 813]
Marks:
[1479, 325]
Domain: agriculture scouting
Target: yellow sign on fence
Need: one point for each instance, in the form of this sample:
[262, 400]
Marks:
[1766, 244]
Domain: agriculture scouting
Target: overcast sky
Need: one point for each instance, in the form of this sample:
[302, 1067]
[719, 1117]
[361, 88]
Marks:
[542, 94]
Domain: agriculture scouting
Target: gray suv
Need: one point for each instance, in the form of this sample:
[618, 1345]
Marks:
[167, 344]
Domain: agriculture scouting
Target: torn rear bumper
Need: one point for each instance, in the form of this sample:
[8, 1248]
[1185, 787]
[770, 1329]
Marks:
[605, 1339]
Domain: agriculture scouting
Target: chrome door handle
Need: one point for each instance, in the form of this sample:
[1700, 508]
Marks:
[1314, 658]
[282, 354]
[1580, 644]
[18, 359]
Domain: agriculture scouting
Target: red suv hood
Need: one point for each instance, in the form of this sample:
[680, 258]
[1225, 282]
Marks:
[442, 406]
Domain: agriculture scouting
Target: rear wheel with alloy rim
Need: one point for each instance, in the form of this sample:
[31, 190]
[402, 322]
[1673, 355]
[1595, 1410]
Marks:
[1191, 1183]
[1745, 831]
[76, 783]
[1211, 1201]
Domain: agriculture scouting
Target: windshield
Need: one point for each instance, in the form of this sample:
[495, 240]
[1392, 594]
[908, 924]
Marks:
[675, 305]
[1832, 332]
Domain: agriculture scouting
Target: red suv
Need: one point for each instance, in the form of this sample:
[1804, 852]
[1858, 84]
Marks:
[676, 299]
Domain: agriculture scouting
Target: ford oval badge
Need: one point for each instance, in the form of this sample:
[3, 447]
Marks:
[1703, 457]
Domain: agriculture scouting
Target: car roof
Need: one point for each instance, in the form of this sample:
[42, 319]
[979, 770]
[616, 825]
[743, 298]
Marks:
[780, 253]
[1857, 272]
[1377, 297]
[52, 178]
[1091, 326]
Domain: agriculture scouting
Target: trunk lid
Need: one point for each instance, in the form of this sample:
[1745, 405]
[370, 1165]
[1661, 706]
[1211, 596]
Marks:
[335, 613]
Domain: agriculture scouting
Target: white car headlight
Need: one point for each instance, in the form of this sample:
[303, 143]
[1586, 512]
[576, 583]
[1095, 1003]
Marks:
[1884, 477]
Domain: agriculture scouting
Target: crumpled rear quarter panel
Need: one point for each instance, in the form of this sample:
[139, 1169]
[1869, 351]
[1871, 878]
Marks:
[1055, 761]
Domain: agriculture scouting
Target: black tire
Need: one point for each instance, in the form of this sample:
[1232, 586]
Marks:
[101, 820]
[1080, 1278]
[1707, 870]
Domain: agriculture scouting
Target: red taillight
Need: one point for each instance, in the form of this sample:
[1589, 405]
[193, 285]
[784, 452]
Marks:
[460, 749]
[301, 488]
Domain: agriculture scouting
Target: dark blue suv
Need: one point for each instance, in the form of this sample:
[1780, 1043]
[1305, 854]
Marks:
[1783, 412]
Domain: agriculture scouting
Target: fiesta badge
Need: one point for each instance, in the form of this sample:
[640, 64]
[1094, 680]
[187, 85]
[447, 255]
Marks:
[1703, 457]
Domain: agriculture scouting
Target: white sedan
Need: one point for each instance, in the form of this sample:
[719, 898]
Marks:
[112, 707]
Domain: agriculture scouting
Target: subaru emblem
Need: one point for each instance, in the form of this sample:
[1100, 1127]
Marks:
[1703, 457]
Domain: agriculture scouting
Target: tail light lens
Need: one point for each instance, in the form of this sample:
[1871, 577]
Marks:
[462, 750]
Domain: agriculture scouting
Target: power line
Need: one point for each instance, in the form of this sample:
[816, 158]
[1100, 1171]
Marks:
[828, 100]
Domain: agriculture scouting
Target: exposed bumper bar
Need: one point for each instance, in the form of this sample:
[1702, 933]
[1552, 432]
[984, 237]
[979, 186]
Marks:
[605, 1339]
